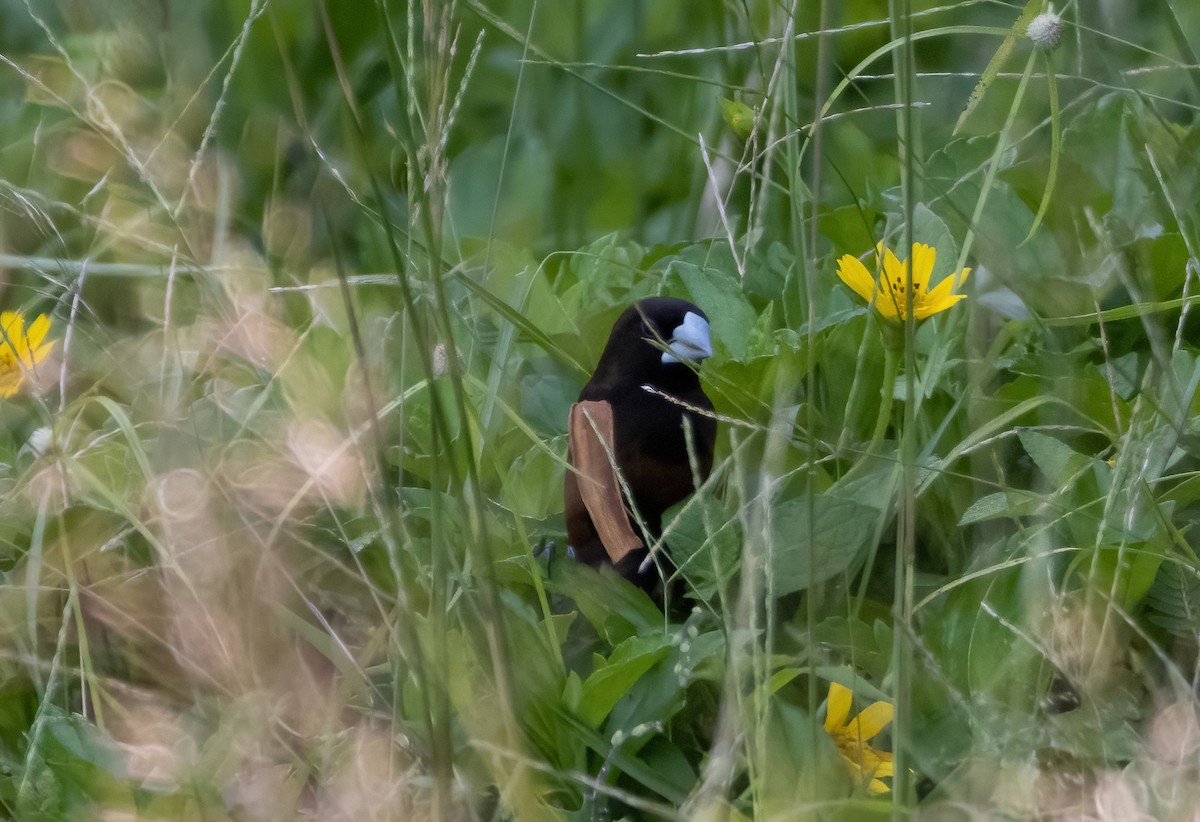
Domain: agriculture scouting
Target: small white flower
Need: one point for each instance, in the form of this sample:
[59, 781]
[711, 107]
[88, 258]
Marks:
[1045, 31]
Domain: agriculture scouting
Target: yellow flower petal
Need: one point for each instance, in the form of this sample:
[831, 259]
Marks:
[894, 284]
[855, 769]
[884, 769]
[875, 763]
[13, 325]
[937, 301]
[877, 787]
[890, 290]
[11, 374]
[867, 765]
[892, 267]
[20, 350]
[942, 294]
[838, 707]
[855, 275]
[923, 259]
[940, 291]
[888, 307]
[37, 331]
[929, 310]
[873, 719]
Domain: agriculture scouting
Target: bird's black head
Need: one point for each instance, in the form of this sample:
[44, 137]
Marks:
[653, 337]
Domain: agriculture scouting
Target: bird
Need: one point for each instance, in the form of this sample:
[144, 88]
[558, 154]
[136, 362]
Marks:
[632, 414]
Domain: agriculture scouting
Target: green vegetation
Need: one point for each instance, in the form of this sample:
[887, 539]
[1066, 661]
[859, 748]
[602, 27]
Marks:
[280, 510]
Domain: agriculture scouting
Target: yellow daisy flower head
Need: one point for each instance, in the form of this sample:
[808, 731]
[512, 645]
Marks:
[886, 290]
[867, 765]
[21, 349]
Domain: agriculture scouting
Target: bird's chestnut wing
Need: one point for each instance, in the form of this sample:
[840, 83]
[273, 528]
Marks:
[596, 479]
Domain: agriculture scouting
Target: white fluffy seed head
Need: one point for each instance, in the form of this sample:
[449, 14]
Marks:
[1045, 30]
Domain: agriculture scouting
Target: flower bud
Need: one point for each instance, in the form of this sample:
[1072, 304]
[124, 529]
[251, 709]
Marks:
[1045, 31]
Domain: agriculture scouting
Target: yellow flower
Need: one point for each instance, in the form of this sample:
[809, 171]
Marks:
[20, 350]
[886, 291]
[866, 764]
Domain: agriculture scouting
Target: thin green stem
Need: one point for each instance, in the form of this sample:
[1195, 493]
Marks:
[887, 392]
[813, 597]
[902, 646]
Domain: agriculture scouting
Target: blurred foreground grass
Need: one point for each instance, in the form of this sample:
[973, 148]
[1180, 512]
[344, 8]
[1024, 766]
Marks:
[280, 511]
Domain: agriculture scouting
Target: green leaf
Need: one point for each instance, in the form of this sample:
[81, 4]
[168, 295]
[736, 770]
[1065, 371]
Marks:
[1055, 145]
[929, 228]
[818, 539]
[546, 401]
[1173, 600]
[615, 608]
[1011, 503]
[531, 489]
[719, 294]
[524, 324]
[708, 559]
[813, 546]
[654, 698]
[1128, 571]
[669, 761]
[613, 678]
[1057, 461]
[604, 273]
[70, 765]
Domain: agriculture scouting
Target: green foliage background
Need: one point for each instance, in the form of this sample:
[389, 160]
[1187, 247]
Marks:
[280, 517]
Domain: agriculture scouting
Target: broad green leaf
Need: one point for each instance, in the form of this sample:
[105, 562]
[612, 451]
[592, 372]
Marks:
[669, 761]
[928, 228]
[546, 401]
[1057, 461]
[707, 560]
[1173, 600]
[612, 678]
[614, 607]
[1126, 572]
[655, 698]
[818, 539]
[811, 547]
[1011, 503]
[719, 294]
[532, 488]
